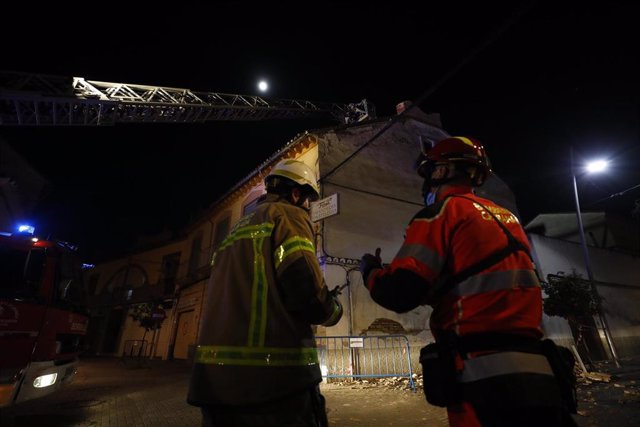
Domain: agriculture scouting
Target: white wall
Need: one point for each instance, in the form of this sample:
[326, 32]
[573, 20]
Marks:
[379, 192]
[618, 282]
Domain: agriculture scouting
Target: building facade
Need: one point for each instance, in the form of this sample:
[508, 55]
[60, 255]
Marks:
[369, 192]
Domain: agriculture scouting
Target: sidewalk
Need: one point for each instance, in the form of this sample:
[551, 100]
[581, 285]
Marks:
[108, 393]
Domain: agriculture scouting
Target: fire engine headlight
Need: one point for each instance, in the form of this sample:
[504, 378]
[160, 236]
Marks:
[45, 380]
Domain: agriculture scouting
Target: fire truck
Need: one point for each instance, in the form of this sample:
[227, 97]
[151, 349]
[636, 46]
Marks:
[42, 315]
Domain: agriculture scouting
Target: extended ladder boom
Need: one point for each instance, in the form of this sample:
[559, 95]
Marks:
[45, 100]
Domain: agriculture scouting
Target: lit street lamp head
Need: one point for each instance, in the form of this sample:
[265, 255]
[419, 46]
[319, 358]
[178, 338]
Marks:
[597, 166]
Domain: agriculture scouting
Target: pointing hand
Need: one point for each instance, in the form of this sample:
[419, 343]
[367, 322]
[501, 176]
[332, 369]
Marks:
[370, 262]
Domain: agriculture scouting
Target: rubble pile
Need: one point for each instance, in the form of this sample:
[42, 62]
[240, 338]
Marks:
[596, 385]
[590, 384]
[392, 383]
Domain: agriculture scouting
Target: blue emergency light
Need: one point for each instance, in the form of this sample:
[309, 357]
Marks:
[26, 229]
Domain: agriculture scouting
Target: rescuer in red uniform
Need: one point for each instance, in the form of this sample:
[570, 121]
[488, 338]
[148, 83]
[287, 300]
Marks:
[256, 362]
[468, 258]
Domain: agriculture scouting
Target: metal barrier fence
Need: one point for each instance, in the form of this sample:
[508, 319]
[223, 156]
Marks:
[377, 356]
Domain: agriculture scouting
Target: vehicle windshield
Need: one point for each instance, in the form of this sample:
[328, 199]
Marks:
[21, 272]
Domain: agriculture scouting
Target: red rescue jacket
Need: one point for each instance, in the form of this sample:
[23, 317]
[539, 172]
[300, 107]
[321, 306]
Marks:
[485, 306]
[446, 238]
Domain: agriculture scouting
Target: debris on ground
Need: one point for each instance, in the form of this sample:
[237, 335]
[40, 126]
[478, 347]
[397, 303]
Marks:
[605, 390]
[596, 376]
[393, 383]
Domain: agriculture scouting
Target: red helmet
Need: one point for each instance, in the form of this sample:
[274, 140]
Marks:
[456, 149]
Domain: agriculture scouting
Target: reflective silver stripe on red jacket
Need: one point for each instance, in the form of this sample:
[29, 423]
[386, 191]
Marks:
[504, 363]
[425, 255]
[496, 281]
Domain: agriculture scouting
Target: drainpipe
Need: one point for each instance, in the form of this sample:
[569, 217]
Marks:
[174, 321]
[204, 285]
[350, 299]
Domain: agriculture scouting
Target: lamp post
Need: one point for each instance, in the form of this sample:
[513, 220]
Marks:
[597, 166]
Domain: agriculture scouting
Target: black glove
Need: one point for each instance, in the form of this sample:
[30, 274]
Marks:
[368, 263]
[333, 293]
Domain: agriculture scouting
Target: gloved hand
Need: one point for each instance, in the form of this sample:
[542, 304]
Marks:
[368, 263]
[335, 292]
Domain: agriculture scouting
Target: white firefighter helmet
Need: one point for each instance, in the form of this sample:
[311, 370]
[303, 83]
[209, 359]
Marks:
[298, 172]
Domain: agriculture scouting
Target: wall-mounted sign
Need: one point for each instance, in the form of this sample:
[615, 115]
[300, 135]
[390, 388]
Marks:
[324, 208]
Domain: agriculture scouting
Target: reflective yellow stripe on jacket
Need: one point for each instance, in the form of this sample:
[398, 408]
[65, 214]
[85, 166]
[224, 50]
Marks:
[256, 356]
[291, 246]
[247, 232]
[258, 321]
[257, 233]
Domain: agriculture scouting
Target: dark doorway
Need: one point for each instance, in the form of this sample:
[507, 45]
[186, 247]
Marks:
[113, 331]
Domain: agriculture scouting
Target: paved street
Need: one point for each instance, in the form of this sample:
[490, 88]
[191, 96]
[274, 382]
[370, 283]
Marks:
[107, 392]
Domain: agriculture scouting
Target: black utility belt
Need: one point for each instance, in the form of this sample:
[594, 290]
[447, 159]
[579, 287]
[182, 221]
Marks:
[440, 377]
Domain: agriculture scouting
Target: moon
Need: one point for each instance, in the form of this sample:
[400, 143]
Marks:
[263, 86]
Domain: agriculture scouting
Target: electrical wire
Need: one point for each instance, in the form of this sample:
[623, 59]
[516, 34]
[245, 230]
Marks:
[611, 196]
[493, 36]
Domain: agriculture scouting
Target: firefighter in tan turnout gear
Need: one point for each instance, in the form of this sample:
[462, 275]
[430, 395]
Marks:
[256, 362]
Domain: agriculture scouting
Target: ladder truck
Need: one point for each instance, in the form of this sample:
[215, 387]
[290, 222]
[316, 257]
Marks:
[47, 100]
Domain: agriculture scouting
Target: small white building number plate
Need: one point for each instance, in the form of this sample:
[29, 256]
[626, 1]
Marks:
[324, 208]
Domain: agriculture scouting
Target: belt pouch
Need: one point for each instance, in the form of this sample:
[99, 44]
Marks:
[439, 375]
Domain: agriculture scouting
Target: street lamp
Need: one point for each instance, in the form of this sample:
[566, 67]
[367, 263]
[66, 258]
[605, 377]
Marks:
[592, 167]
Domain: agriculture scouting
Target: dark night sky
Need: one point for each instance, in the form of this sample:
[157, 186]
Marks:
[559, 75]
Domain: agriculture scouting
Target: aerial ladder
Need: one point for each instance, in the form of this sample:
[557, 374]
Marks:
[28, 99]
